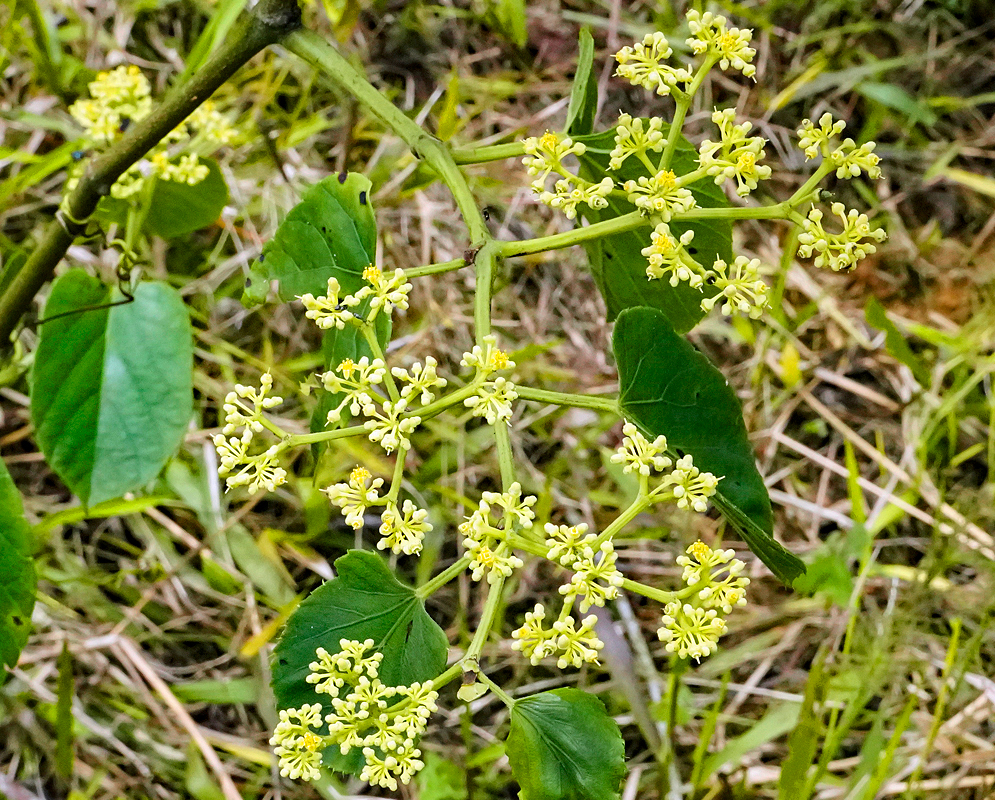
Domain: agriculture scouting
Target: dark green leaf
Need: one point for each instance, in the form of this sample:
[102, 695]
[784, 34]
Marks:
[894, 341]
[584, 93]
[364, 602]
[179, 208]
[617, 263]
[176, 208]
[667, 387]
[331, 233]
[17, 573]
[111, 388]
[564, 746]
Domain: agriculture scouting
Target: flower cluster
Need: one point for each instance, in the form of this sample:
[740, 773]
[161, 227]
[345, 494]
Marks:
[383, 722]
[842, 250]
[545, 154]
[123, 96]
[402, 530]
[692, 623]
[642, 64]
[735, 155]
[355, 496]
[486, 532]
[730, 47]
[494, 396]
[574, 646]
[634, 138]
[684, 484]
[238, 464]
[385, 293]
[661, 195]
[329, 310]
[739, 287]
[849, 159]
[589, 561]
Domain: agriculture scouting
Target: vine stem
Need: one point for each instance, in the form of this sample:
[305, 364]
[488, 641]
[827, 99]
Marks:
[557, 241]
[487, 153]
[268, 23]
[430, 587]
[568, 399]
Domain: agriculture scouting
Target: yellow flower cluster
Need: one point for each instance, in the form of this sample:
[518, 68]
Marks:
[383, 722]
[692, 625]
[486, 532]
[238, 465]
[494, 396]
[123, 96]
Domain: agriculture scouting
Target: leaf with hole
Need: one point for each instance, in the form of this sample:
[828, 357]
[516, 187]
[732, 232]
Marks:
[563, 746]
[617, 263]
[667, 387]
[331, 233]
[111, 387]
[17, 573]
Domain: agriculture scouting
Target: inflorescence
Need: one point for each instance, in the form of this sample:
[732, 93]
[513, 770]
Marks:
[122, 97]
[665, 197]
[383, 722]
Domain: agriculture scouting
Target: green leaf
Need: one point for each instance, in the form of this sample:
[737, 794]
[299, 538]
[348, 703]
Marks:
[584, 93]
[332, 232]
[364, 602]
[667, 387]
[17, 573]
[564, 746]
[617, 263]
[176, 208]
[179, 208]
[111, 388]
[894, 342]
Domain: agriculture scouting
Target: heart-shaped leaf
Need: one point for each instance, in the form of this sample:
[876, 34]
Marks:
[332, 232]
[111, 388]
[667, 387]
[365, 601]
[564, 746]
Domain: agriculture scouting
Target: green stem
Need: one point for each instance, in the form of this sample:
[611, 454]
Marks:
[397, 477]
[500, 693]
[486, 621]
[324, 436]
[314, 49]
[484, 261]
[777, 211]
[430, 587]
[659, 595]
[506, 461]
[370, 335]
[639, 505]
[683, 104]
[492, 152]
[448, 400]
[805, 190]
[454, 671]
[267, 23]
[626, 222]
[435, 269]
[567, 399]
